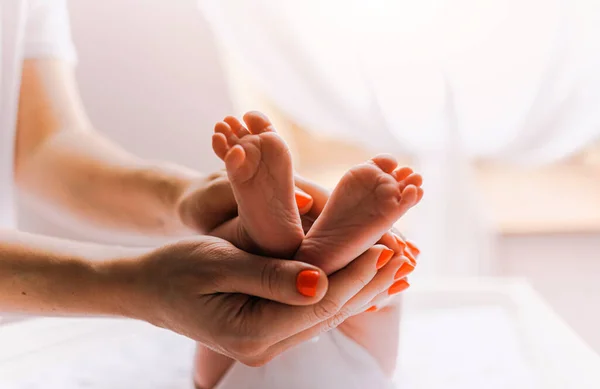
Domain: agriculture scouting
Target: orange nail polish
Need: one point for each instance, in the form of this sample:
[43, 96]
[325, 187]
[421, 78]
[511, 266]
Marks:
[398, 287]
[384, 257]
[302, 199]
[372, 309]
[415, 250]
[410, 257]
[404, 270]
[307, 281]
[400, 242]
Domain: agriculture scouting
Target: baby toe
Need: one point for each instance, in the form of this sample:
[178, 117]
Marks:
[219, 145]
[402, 173]
[385, 162]
[258, 123]
[236, 126]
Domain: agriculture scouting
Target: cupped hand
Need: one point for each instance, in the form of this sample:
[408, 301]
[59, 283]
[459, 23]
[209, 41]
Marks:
[245, 306]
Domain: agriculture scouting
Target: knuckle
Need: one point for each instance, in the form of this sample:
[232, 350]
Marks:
[363, 279]
[246, 349]
[336, 320]
[258, 361]
[214, 252]
[271, 277]
[326, 308]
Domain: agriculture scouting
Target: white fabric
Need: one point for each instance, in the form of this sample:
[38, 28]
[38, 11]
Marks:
[524, 72]
[28, 29]
[522, 77]
[331, 361]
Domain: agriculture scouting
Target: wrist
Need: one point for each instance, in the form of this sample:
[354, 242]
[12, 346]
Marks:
[168, 184]
[207, 203]
[121, 288]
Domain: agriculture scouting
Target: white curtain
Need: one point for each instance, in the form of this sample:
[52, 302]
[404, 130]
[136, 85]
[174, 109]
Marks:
[445, 81]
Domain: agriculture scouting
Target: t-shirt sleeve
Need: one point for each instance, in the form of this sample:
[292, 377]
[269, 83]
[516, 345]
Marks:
[48, 33]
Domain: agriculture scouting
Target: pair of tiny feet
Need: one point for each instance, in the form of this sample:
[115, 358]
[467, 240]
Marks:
[359, 213]
[361, 210]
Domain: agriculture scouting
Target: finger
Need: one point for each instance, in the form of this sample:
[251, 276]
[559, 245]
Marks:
[405, 249]
[400, 240]
[236, 126]
[389, 240]
[408, 254]
[405, 269]
[413, 248]
[382, 300]
[304, 201]
[398, 234]
[319, 195]
[382, 283]
[285, 281]
[379, 284]
[287, 320]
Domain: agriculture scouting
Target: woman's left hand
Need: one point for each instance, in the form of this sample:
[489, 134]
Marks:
[209, 203]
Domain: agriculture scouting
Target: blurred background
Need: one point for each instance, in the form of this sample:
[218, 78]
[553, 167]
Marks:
[496, 102]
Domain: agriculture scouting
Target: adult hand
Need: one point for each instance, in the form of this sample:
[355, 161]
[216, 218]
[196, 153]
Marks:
[209, 203]
[204, 289]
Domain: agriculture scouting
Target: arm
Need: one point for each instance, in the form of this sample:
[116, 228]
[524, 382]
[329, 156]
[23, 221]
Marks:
[46, 276]
[199, 288]
[62, 160]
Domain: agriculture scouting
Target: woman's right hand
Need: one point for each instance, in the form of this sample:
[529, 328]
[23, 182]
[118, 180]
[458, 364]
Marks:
[245, 306]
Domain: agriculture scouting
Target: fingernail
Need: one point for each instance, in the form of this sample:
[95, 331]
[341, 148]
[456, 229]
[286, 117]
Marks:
[400, 242]
[307, 281]
[410, 257]
[415, 250]
[398, 287]
[384, 257]
[372, 309]
[302, 199]
[404, 270]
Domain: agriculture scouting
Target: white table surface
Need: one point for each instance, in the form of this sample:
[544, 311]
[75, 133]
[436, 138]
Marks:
[471, 333]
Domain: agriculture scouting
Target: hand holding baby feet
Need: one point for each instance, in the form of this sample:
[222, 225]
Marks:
[361, 209]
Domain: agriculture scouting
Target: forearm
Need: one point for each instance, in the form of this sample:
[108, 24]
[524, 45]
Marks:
[86, 176]
[45, 276]
[62, 160]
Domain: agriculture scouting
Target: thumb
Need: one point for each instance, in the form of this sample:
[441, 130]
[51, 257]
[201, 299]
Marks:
[286, 281]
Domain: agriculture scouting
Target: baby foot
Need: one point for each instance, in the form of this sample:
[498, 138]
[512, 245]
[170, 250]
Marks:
[365, 204]
[259, 166]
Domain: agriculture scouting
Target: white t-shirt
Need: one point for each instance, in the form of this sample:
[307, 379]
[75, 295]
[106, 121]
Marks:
[28, 29]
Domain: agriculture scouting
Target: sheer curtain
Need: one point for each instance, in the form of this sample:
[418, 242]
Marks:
[443, 81]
